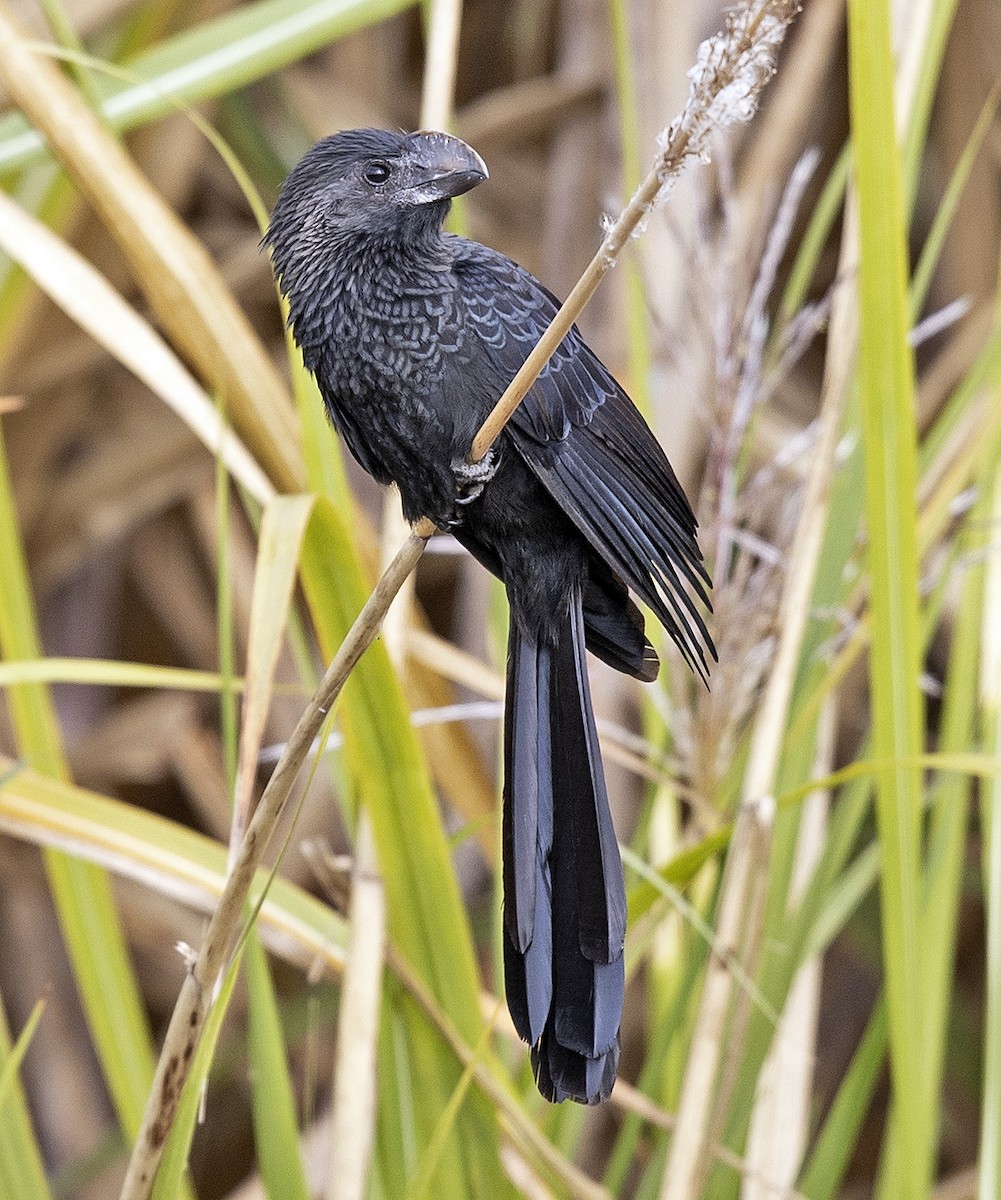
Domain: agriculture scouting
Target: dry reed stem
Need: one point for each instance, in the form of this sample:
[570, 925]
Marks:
[440, 64]
[738, 933]
[779, 1125]
[191, 1010]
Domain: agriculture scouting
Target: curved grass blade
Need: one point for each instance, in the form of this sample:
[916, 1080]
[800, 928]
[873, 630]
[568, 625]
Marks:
[87, 297]
[22, 1173]
[282, 529]
[172, 860]
[210, 60]
[170, 1177]
[183, 285]
[103, 672]
[81, 892]
[275, 1131]
[426, 917]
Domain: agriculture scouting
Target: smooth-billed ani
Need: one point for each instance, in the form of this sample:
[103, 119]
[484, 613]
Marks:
[412, 335]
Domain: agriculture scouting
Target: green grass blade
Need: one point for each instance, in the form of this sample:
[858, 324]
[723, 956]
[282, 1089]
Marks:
[931, 251]
[174, 1164]
[426, 917]
[32, 713]
[811, 247]
[81, 892]
[821, 1180]
[916, 127]
[421, 1182]
[989, 1182]
[396, 1154]
[275, 1130]
[22, 1173]
[637, 318]
[47, 194]
[62, 27]
[990, 1122]
[887, 406]
[948, 824]
[321, 450]
[15, 1056]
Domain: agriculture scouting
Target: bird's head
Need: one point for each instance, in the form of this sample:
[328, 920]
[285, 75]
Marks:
[370, 185]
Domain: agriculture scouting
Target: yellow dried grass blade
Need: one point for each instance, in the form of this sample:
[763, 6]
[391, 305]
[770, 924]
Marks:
[104, 672]
[282, 530]
[174, 861]
[182, 284]
[87, 297]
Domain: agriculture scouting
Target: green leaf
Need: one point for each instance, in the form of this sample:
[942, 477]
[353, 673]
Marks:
[12, 1064]
[81, 892]
[931, 252]
[821, 1179]
[990, 798]
[275, 1130]
[421, 1181]
[22, 1173]
[425, 914]
[886, 376]
[173, 1165]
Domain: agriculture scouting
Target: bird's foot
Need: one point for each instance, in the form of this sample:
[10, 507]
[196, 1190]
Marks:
[472, 478]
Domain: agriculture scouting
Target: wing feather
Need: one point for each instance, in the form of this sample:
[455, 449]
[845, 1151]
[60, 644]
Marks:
[586, 442]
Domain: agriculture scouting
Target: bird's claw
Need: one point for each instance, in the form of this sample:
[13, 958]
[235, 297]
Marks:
[471, 478]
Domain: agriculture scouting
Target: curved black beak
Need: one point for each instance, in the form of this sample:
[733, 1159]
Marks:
[441, 166]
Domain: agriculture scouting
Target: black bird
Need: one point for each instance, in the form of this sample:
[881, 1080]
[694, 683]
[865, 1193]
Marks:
[412, 335]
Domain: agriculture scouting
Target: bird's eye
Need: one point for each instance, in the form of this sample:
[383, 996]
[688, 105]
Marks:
[376, 173]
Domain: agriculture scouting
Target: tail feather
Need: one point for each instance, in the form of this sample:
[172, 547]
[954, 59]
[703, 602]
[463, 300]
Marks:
[564, 898]
[599, 890]
[614, 626]
[528, 838]
[563, 1074]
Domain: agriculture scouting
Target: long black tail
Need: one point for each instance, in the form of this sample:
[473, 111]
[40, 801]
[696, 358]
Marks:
[564, 897]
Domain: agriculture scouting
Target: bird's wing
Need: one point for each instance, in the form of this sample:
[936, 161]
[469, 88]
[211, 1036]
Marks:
[586, 442]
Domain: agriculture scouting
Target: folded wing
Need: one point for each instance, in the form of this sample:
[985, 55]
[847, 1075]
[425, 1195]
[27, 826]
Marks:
[586, 442]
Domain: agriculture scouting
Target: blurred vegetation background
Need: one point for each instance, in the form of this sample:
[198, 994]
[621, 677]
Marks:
[815, 984]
